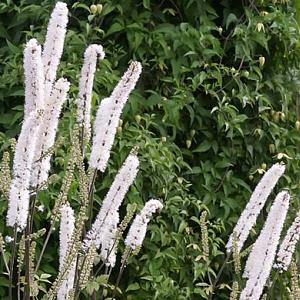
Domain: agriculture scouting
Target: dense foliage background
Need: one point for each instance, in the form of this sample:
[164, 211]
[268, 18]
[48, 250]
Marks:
[216, 105]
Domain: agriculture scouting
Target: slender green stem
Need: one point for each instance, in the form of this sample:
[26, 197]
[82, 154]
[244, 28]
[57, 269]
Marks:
[108, 273]
[12, 261]
[91, 198]
[271, 289]
[120, 274]
[19, 285]
[44, 246]
[32, 209]
[218, 276]
[26, 295]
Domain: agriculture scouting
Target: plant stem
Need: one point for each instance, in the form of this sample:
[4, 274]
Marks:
[120, 274]
[44, 246]
[91, 198]
[12, 260]
[27, 260]
[19, 287]
[271, 289]
[218, 276]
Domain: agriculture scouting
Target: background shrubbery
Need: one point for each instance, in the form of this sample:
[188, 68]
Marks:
[217, 104]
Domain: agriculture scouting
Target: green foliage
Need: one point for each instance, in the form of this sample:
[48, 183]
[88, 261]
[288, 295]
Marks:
[218, 99]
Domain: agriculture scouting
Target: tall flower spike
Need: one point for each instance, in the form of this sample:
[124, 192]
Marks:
[34, 77]
[54, 43]
[288, 245]
[108, 116]
[138, 229]
[19, 194]
[108, 240]
[47, 132]
[261, 258]
[113, 200]
[92, 53]
[255, 204]
[66, 230]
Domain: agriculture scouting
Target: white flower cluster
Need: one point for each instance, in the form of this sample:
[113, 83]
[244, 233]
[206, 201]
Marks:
[138, 229]
[108, 116]
[54, 44]
[19, 194]
[255, 204]
[288, 245]
[92, 53]
[260, 261]
[42, 108]
[103, 228]
[47, 132]
[108, 243]
[34, 77]
[66, 230]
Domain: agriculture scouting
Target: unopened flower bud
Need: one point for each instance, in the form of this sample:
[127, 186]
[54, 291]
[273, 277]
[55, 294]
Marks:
[179, 180]
[271, 148]
[138, 118]
[297, 125]
[262, 61]
[163, 139]
[99, 8]
[246, 74]
[264, 13]
[193, 131]
[188, 143]
[260, 26]
[93, 9]
[119, 129]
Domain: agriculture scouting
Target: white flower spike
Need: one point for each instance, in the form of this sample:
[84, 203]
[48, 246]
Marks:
[260, 261]
[138, 229]
[66, 230]
[108, 116]
[92, 53]
[54, 43]
[288, 245]
[255, 204]
[47, 132]
[34, 77]
[19, 195]
[113, 201]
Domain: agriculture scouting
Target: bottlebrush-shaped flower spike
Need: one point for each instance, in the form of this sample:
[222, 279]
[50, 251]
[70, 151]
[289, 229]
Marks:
[138, 229]
[19, 194]
[108, 116]
[92, 53]
[255, 204]
[54, 43]
[260, 261]
[47, 132]
[34, 77]
[66, 230]
[113, 200]
[108, 239]
[288, 245]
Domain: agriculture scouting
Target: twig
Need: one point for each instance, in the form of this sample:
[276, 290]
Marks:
[218, 276]
[12, 260]
[120, 274]
[44, 246]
